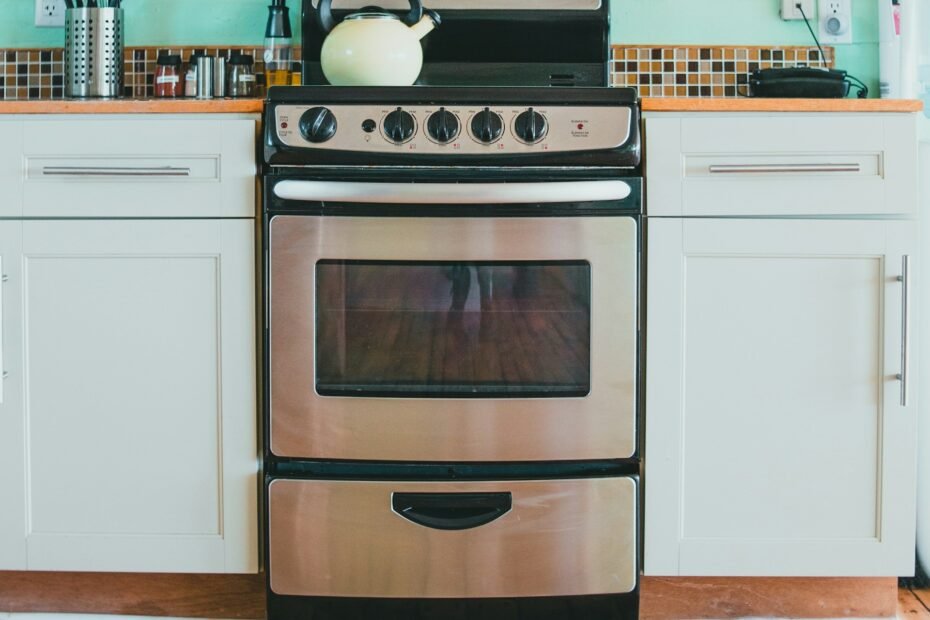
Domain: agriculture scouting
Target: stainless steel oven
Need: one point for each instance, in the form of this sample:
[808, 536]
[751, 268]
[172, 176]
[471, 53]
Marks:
[457, 338]
[451, 353]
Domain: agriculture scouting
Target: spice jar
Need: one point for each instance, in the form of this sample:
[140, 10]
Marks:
[241, 76]
[190, 79]
[168, 79]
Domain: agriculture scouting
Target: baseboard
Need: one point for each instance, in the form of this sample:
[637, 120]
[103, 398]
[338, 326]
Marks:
[693, 598]
[180, 596]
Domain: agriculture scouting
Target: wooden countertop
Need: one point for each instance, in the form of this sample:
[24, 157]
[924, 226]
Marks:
[650, 104]
[133, 106]
[744, 104]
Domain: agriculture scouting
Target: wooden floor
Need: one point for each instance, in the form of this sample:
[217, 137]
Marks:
[914, 604]
[243, 597]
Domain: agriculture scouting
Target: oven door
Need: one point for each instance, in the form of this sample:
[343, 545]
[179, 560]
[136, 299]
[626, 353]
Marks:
[453, 339]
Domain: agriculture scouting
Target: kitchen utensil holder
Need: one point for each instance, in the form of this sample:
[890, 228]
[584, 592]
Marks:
[93, 53]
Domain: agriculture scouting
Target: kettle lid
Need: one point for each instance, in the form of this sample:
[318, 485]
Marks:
[372, 13]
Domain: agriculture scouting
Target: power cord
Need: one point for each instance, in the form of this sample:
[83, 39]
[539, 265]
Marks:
[863, 90]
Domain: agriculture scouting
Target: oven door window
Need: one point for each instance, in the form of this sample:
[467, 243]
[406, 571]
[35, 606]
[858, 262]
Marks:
[453, 329]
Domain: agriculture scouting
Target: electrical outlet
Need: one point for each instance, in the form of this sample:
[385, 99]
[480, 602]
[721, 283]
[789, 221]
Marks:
[50, 13]
[836, 21]
[790, 10]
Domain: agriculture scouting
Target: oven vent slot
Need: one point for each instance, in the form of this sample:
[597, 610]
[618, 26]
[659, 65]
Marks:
[562, 79]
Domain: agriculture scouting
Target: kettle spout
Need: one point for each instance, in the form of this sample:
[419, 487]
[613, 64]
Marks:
[427, 24]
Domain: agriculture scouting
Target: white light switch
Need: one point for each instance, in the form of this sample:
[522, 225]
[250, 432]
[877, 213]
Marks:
[836, 21]
[790, 10]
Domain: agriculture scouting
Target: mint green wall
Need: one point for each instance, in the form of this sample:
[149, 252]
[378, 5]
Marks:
[164, 22]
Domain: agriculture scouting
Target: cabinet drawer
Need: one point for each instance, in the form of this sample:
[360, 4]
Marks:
[11, 168]
[558, 538]
[139, 168]
[782, 165]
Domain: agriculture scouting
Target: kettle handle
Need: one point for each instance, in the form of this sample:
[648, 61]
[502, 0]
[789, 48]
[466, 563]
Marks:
[415, 14]
[324, 16]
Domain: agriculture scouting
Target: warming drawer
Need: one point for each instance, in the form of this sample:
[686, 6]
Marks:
[453, 540]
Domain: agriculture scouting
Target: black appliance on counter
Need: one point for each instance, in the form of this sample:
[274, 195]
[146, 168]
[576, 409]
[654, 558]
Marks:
[452, 345]
[494, 42]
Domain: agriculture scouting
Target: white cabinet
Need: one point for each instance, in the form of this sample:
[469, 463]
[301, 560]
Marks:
[781, 164]
[11, 167]
[12, 429]
[128, 417]
[776, 440]
[138, 167]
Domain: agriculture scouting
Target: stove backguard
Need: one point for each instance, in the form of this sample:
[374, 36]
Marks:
[519, 43]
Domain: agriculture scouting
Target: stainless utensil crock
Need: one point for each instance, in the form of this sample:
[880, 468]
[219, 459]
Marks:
[94, 52]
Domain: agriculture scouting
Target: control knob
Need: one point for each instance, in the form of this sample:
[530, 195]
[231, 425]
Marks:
[530, 126]
[443, 126]
[487, 126]
[399, 126]
[318, 125]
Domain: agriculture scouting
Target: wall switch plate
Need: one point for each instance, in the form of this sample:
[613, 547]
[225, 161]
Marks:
[50, 13]
[790, 10]
[836, 21]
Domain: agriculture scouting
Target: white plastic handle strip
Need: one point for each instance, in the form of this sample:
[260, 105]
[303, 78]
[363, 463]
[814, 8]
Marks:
[453, 193]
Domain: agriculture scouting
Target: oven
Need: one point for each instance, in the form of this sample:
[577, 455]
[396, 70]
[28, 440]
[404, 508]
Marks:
[485, 321]
[452, 290]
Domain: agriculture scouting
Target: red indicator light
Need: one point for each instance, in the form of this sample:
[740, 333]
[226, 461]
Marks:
[580, 126]
[283, 125]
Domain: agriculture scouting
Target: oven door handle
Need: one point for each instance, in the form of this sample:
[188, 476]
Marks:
[453, 193]
[451, 511]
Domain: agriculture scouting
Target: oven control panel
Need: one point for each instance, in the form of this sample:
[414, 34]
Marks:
[453, 130]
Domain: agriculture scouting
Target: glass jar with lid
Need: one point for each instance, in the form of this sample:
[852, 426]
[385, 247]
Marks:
[168, 79]
[241, 76]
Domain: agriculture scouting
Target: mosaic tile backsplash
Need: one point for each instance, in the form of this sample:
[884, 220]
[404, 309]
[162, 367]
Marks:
[695, 71]
[39, 74]
[657, 71]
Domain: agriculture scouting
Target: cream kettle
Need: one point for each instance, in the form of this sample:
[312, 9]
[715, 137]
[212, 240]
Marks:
[373, 47]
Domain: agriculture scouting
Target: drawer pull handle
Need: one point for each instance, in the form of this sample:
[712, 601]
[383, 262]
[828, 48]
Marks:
[903, 377]
[782, 168]
[451, 511]
[112, 171]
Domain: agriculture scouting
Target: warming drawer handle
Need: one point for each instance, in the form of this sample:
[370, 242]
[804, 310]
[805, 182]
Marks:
[453, 193]
[782, 168]
[452, 511]
[115, 171]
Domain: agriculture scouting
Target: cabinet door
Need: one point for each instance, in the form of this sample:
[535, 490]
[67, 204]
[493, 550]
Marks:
[776, 439]
[141, 446]
[12, 472]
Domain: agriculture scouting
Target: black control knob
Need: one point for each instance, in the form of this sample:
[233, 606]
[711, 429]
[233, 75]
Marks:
[318, 125]
[443, 126]
[487, 126]
[530, 126]
[399, 126]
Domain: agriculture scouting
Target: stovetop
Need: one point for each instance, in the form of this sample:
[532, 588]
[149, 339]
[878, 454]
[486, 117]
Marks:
[453, 126]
